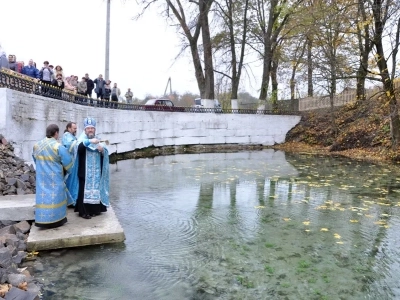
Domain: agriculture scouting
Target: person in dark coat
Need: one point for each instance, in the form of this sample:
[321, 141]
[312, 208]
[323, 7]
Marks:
[58, 83]
[90, 85]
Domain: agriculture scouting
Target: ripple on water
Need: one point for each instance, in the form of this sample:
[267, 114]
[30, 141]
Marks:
[233, 229]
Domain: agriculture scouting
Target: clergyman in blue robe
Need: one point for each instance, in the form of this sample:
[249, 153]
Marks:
[52, 160]
[92, 172]
[70, 142]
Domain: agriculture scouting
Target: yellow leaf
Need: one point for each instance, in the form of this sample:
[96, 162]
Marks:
[324, 229]
[261, 206]
[337, 236]
[354, 221]
[306, 222]
[286, 219]
[380, 223]
[341, 243]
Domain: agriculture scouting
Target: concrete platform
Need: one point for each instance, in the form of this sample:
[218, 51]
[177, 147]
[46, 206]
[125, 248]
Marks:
[77, 232]
[17, 208]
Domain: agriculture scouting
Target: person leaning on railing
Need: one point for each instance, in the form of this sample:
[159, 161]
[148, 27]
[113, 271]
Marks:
[3, 60]
[58, 83]
[69, 88]
[82, 88]
[30, 70]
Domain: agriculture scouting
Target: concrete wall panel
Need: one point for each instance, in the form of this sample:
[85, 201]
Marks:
[24, 118]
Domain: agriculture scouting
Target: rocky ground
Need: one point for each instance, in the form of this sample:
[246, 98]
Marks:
[16, 282]
[16, 178]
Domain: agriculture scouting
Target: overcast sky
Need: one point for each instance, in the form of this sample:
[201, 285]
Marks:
[72, 34]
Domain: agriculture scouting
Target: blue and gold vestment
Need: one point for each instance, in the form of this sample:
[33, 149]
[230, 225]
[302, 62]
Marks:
[51, 160]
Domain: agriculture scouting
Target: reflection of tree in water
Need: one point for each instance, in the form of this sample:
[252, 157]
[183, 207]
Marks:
[330, 192]
[374, 191]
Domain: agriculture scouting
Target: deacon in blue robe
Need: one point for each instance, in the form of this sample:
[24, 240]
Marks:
[92, 172]
[70, 142]
[52, 160]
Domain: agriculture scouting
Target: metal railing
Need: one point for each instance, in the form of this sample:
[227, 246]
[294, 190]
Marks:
[19, 82]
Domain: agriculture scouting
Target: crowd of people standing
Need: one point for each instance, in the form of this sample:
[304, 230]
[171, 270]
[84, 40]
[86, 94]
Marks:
[54, 76]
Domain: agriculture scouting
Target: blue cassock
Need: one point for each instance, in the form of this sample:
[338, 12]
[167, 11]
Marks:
[71, 143]
[96, 184]
[51, 159]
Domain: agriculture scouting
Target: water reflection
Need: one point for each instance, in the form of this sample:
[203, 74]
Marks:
[252, 225]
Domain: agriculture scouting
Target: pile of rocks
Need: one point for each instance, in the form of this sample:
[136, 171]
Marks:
[16, 177]
[15, 282]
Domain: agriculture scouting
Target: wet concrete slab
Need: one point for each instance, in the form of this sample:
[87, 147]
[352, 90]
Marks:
[77, 232]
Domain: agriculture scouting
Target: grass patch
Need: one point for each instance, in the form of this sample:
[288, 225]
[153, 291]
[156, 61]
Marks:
[269, 269]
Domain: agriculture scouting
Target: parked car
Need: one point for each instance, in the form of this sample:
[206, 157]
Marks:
[199, 107]
[162, 104]
[165, 102]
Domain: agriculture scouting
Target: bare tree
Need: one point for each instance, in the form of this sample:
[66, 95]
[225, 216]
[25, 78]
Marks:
[383, 12]
[231, 40]
[192, 20]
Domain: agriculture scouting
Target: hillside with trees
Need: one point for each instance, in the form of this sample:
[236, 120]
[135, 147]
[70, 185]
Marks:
[305, 48]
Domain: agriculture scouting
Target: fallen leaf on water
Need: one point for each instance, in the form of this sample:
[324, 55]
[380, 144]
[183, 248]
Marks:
[341, 243]
[261, 206]
[354, 221]
[324, 229]
[286, 219]
[337, 236]
[306, 222]
[380, 223]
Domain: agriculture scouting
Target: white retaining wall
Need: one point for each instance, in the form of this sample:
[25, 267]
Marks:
[24, 118]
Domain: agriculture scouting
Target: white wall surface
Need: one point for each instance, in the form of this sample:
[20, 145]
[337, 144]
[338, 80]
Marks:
[24, 118]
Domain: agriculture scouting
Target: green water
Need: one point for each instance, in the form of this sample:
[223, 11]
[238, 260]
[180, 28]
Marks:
[251, 225]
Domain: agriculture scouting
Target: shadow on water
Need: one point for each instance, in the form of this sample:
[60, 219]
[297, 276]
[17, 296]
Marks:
[250, 225]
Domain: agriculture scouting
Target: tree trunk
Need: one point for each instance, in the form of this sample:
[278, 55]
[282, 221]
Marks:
[379, 19]
[267, 59]
[197, 67]
[266, 68]
[364, 45]
[207, 48]
[237, 67]
[310, 90]
[274, 81]
[235, 78]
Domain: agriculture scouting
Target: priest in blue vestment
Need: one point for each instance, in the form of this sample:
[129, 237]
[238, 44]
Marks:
[92, 172]
[52, 160]
[70, 142]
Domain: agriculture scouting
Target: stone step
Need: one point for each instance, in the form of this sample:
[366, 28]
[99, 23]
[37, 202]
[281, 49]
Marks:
[77, 232]
[17, 207]
[102, 229]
